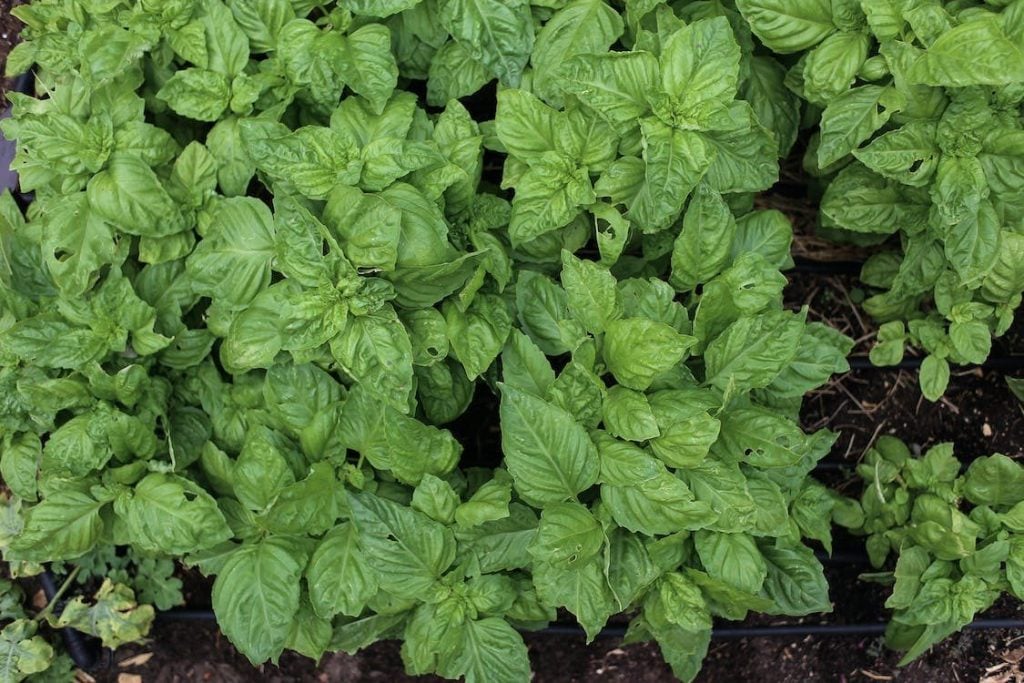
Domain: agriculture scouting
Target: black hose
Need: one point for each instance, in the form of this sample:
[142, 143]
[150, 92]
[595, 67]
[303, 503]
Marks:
[85, 652]
[802, 265]
[914, 363]
[25, 83]
[185, 614]
[727, 633]
[786, 631]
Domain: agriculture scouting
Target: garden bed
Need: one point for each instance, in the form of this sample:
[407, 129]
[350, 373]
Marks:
[890, 403]
[978, 414]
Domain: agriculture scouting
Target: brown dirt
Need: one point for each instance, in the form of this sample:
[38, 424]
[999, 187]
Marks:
[9, 30]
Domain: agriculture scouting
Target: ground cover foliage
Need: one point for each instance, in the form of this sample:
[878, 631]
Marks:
[276, 248]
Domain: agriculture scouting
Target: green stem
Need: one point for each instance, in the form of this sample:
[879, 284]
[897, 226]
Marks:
[45, 612]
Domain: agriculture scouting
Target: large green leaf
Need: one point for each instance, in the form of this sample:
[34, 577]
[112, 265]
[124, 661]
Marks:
[550, 456]
[256, 596]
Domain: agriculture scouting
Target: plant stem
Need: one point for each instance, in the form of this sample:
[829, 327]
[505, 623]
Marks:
[58, 595]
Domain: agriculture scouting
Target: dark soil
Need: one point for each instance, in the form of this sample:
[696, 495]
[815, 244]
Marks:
[9, 30]
[978, 414]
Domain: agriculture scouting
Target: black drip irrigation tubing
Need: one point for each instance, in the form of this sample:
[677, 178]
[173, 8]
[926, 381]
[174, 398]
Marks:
[992, 363]
[810, 267]
[725, 633]
[85, 652]
[787, 631]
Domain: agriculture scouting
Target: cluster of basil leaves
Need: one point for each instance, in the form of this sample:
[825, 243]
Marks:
[958, 536]
[921, 144]
[266, 264]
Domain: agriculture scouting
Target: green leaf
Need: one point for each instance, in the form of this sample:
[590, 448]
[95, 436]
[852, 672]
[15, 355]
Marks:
[934, 377]
[776, 109]
[232, 262]
[723, 487]
[908, 154]
[453, 74]
[499, 545]
[406, 550]
[497, 34]
[592, 294]
[169, 514]
[313, 159]
[582, 589]
[129, 195]
[700, 68]
[643, 497]
[550, 456]
[19, 464]
[371, 68]
[582, 27]
[831, 67]
[630, 569]
[310, 505]
[742, 152]
[261, 470]
[787, 26]
[488, 503]
[262, 21]
[851, 118]
[976, 52]
[864, 202]
[795, 581]
[753, 351]
[256, 597]
[637, 350]
[994, 480]
[76, 243]
[375, 350]
[197, 94]
[393, 441]
[543, 309]
[525, 367]
[339, 578]
[615, 85]
[310, 635]
[22, 653]
[674, 162]
[478, 333]
[65, 525]
[568, 535]
[733, 558]
[972, 244]
[704, 245]
[491, 650]
[628, 415]
[763, 438]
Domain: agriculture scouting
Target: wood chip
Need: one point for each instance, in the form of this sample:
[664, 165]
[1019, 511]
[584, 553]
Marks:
[82, 677]
[39, 599]
[874, 676]
[129, 678]
[137, 660]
